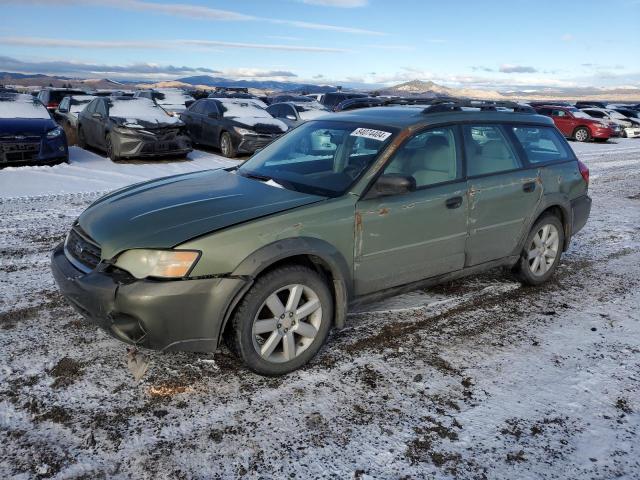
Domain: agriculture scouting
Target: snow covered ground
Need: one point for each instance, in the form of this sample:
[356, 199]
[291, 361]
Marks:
[480, 378]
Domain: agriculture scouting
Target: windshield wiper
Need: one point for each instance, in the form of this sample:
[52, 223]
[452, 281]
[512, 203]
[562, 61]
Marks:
[257, 176]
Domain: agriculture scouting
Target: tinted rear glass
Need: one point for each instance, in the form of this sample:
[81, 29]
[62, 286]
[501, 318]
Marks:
[57, 96]
[543, 144]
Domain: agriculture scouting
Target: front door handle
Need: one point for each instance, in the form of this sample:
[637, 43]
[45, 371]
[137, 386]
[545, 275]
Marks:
[529, 187]
[454, 202]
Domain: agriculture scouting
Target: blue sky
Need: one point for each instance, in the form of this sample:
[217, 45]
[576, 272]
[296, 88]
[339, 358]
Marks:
[500, 44]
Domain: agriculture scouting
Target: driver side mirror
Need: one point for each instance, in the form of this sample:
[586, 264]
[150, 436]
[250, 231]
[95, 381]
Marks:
[290, 117]
[392, 184]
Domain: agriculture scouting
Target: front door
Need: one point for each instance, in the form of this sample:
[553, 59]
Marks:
[502, 195]
[405, 238]
[564, 121]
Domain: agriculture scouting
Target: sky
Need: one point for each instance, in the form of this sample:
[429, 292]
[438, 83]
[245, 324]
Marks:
[504, 45]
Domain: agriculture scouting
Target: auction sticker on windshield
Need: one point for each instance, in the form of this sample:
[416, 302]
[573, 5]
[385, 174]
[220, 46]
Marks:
[370, 133]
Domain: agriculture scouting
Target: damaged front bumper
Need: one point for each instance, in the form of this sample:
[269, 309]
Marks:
[131, 143]
[172, 315]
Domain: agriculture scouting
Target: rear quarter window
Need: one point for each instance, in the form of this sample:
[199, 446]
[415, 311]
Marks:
[542, 144]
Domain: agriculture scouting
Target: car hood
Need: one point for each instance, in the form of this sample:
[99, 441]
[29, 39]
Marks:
[168, 211]
[25, 126]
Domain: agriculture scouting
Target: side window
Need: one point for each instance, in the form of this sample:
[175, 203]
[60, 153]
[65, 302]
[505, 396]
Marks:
[64, 105]
[596, 114]
[558, 113]
[273, 110]
[209, 107]
[430, 157]
[542, 144]
[100, 108]
[91, 107]
[488, 150]
[196, 107]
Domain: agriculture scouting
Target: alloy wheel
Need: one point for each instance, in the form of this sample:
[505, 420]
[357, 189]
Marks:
[582, 135]
[287, 323]
[543, 250]
[224, 145]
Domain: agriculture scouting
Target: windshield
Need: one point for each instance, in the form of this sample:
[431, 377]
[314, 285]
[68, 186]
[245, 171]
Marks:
[319, 157]
[579, 113]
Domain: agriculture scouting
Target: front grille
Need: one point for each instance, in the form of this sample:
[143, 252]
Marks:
[160, 147]
[81, 249]
[265, 128]
[19, 151]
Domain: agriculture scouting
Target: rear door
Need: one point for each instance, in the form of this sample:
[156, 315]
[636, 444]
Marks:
[405, 238]
[100, 119]
[89, 124]
[210, 123]
[192, 118]
[502, 193]
[564, 121]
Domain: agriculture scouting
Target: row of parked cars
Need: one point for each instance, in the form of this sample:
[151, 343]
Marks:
[168, 122]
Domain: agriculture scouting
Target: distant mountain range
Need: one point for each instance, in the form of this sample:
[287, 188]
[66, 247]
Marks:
[412, 88]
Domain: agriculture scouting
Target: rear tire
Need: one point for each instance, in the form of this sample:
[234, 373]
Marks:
[226, 145]
[542, 251]
[282, 321]
[582, 134]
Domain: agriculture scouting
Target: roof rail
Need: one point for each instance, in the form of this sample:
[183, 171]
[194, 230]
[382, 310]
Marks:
[451, 105]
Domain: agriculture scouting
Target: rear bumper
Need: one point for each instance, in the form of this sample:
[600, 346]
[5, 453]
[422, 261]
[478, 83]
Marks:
[581, 208]
[180, 315]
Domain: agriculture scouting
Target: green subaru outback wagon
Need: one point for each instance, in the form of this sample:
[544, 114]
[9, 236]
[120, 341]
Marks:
[342, 210]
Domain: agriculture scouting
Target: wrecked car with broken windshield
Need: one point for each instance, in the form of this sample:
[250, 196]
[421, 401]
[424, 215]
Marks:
[127, 127]
[342, 210]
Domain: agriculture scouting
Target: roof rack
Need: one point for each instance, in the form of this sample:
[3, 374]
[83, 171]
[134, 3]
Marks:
[454, 105]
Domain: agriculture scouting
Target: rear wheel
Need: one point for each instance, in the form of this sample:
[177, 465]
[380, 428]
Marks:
[542, 250]
[110, 150]
[226, 145]
[582, 134]
[282, 321]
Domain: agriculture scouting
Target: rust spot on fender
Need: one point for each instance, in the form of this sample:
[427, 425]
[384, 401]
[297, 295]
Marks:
[383, 211]
[358, 235]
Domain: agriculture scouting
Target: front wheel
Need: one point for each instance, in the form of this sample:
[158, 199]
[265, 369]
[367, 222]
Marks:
[111, 150]
[542, 250]
[226, 145]
[282, 321]
[582, 134]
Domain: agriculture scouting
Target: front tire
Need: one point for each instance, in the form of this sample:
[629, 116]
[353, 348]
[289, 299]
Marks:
[282, 321]
[582, 134]
[226, 145]
[542, 251]
[110, 149]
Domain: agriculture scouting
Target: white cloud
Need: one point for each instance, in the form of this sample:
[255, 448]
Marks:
[338, 3]
[158, 44]
[506, 68]
[193, 11]
[567, 37]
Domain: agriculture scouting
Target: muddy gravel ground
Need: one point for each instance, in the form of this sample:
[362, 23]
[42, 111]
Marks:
[480, 378]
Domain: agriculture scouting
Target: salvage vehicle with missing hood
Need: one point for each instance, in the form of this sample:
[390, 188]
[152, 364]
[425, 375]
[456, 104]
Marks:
[272, 253]
[127, 127]
[234, 125]
[28, 134]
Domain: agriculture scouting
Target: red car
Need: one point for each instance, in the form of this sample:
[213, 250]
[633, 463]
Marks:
[576, 124]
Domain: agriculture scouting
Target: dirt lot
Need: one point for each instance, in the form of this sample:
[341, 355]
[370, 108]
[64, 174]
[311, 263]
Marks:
[480, 378]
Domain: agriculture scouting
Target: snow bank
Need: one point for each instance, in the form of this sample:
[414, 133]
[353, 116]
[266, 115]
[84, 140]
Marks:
[89, 172]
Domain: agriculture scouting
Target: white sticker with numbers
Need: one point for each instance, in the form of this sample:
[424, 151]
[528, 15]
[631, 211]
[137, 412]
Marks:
[370, 133]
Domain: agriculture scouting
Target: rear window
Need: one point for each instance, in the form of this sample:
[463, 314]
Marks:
[57, 96]
[542, 144]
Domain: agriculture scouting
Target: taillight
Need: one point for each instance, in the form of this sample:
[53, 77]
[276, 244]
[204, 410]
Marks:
[52, 105]
[584, 171]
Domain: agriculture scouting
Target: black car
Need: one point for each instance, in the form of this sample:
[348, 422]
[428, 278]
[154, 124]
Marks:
[290, 98]
[67, 114]
[28, 134]
[234, 125]
[127, 127]
[173, 100]
[591, 104]
[331, 99]
[360, 102]
[294, 113]
[51, 97]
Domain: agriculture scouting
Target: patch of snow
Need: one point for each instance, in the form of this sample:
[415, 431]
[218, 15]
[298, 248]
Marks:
[22, 106]
[140, 108]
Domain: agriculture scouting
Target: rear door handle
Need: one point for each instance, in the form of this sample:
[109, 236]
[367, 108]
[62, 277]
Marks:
[529, 186]
[454, 202]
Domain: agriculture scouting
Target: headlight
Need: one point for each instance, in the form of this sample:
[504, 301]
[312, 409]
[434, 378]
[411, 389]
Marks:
[142, 263]
[243, 131]
[55, 133]
[604, 125]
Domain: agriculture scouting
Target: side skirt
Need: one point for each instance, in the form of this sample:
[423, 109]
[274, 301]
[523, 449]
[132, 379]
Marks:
[430, 282]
